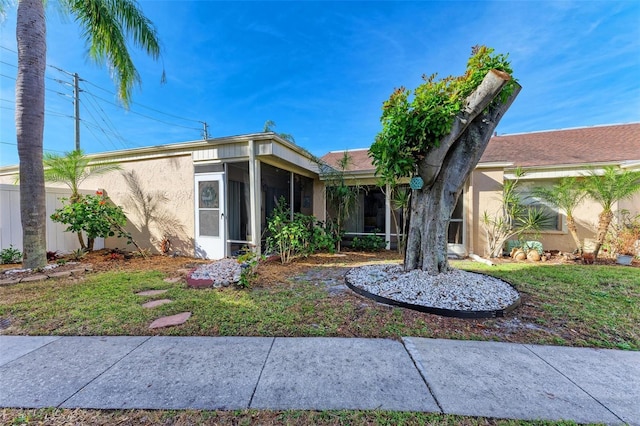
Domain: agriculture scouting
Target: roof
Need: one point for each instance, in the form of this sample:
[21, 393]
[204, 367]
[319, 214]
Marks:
[585, 145]
[360, 160]
[578, 146]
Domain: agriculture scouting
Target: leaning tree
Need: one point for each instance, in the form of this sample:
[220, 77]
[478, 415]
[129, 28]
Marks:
[437, 134]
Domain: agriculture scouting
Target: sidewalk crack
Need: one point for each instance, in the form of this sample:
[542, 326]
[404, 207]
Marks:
[255, 388]
[574, 383]
[411, 349]
[103, 372]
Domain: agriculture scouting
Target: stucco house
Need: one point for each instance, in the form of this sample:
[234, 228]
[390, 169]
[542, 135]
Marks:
[544, 156]
[212, 197]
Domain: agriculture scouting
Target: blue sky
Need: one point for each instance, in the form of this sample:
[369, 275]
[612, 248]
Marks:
[321, 70]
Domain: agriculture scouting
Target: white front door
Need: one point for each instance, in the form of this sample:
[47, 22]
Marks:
[211, 238]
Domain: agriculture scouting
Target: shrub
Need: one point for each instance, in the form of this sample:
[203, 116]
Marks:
[10, 255]
[302, 235]
[95, 215]
[368, 243]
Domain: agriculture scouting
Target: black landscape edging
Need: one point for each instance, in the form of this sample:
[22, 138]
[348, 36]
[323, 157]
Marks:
[455, 313]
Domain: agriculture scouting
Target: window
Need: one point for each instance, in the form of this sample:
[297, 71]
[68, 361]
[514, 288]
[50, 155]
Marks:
[551, 219]
[455, 225]
[368, 215]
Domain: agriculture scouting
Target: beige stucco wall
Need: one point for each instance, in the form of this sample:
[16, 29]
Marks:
[319, 210]
[484, 194]
[166, 185]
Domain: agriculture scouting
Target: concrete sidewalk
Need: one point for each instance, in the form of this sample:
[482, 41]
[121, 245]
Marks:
[502, 380]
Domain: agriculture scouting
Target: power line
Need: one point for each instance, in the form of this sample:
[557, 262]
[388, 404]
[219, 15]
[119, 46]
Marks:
[93, 102]
[44, 149]
[142, 105]
[147, 116]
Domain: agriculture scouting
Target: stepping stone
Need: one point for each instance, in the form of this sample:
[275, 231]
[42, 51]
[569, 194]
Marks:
[151, 292]
[173, 280]
[177, 319]
[9, 281]
[155, 303]
[60, 274]
[34, 278]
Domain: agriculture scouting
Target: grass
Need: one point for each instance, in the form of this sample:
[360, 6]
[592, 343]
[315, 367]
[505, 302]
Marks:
[250, 417]
[598, 302]
[562, 304]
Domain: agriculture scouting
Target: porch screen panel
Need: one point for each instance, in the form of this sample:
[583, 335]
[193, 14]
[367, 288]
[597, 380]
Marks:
[234, 203]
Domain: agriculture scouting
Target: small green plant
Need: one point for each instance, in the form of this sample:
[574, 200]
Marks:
[249, 262]
[78, 254]
[143, 252]
[368, 243]
[61, 262]
[10, 255]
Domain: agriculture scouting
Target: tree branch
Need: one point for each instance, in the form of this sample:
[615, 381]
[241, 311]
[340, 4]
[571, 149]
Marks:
[485, 93]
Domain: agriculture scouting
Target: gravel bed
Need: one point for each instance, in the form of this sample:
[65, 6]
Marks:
[223, 272]
[455, 290]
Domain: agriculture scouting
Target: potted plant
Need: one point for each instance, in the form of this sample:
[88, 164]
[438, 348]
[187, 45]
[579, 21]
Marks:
[625, 244]
[625, 238]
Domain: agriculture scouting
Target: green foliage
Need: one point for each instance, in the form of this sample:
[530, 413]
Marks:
[249, 262]
[341, 197]
[95, 215]
[109, 28]
[614, 185]
[413, 122]
[72, 169]
[368, 243]
[513, 219]
[300, 235]
[533, 245]
[607, 189]
[270, 124]
[524, 245]
[10, 255]
[566, 195]
[78, 254]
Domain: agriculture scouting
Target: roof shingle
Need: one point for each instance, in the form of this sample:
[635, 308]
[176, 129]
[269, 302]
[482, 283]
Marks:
[584, 145]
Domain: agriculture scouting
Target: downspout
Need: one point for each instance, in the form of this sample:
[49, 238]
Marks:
[387, 217]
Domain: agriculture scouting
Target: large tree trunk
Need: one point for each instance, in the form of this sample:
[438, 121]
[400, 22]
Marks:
[32, 52]
[445, 170]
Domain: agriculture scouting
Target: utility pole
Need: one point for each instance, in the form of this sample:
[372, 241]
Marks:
[76, 107]
[205, 132]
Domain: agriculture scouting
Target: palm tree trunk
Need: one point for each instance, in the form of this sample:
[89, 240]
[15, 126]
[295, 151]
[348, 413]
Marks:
[604, 220]
[573, 230]
[32, 52]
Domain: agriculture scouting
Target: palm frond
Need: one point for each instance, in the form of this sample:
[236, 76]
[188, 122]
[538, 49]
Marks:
[106, 26]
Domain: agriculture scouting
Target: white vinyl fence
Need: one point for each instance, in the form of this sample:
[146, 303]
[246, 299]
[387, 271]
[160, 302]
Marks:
[11, 228]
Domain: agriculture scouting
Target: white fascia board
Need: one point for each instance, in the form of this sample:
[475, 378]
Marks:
[494, 165]
[560, 171]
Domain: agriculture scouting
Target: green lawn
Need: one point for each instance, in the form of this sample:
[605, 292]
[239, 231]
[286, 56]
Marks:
[562, 304]
[600, 302]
